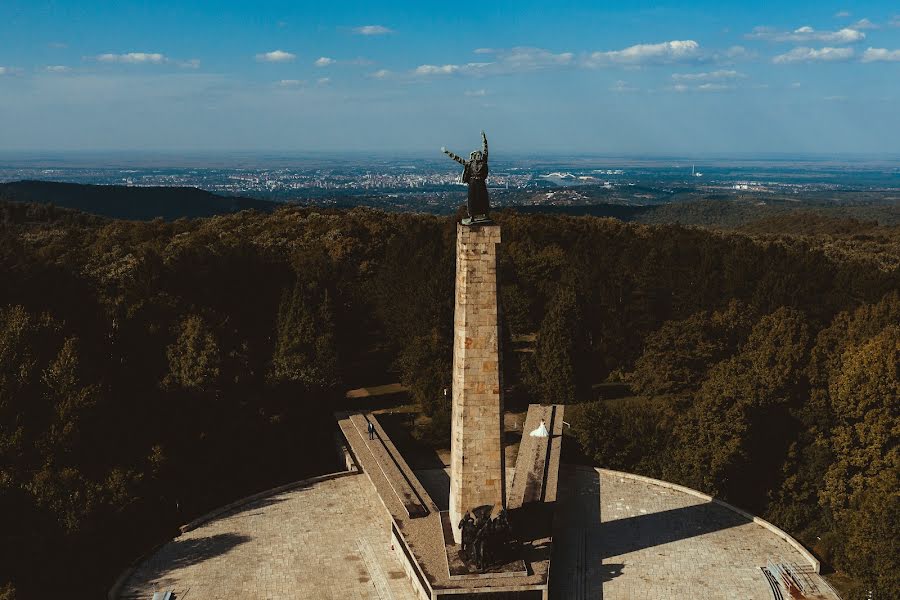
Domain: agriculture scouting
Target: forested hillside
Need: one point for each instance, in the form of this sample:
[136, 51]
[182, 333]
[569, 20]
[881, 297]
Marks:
[152, 370]
[130, 202]
[731, 211]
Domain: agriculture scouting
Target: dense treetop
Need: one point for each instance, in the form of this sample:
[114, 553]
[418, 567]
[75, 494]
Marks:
[152, 370]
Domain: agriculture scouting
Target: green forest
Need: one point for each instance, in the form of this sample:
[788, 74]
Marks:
[150, 371]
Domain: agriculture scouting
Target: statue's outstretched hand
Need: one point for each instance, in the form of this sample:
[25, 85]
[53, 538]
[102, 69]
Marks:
[444, 150]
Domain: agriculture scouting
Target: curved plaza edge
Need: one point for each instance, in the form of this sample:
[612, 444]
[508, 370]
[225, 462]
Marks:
[376, 576]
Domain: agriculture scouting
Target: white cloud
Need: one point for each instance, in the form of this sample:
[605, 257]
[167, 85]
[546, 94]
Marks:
[842, 14]
[57, 69]
[520, 59]
[704, 87]
[381, 74]
[323, 80]
[806, 33]
[373, 30]
[11, 71]
[525, 58]
[275, 56]
[146, 58]
[472, 68]
[327, 61]
[622, 87]
[436, 70]
[813, 55]
[714, 87]
[835, 98]
[881, 55]
[475, 93]
[134, 58]
[647, 54]
[713, 75]
[290, 83]
[864, 24]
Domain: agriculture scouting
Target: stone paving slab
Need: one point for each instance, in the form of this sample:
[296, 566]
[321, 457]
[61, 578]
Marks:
[615, 538]
[328, 540]
[618, 538]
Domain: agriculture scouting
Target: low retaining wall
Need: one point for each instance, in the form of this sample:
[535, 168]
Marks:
[417, 579]
[761, 522]
[344, 455]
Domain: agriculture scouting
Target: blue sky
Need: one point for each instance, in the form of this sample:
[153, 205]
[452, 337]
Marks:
[699, 78]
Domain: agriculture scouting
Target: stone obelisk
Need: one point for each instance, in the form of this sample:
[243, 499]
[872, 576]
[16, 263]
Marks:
[477, 469]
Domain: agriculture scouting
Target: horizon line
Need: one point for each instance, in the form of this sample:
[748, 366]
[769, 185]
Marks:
[426, 153]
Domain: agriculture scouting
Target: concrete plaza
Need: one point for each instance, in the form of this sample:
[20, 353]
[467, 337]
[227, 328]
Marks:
[616, 539]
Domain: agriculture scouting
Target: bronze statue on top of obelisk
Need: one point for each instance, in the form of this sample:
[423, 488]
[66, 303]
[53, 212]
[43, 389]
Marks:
[475, 172]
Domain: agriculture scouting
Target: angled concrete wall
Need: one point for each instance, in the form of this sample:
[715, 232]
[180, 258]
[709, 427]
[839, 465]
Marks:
[477, 470]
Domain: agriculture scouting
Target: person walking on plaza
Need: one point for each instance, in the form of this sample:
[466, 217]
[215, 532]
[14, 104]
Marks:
[371, 431]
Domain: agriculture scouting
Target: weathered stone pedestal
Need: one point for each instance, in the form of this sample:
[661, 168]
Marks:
[477, 469]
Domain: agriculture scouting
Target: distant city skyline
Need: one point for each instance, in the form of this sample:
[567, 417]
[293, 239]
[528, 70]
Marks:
[660, 78]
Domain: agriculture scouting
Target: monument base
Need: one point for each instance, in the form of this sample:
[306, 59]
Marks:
[477, 220]
[459, 568]
[421, 534]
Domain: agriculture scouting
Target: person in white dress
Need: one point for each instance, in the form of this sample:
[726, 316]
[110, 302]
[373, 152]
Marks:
[541, 431]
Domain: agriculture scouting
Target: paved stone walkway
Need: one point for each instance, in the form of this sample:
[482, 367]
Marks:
[329, 540]
[620, 539]
[616, 539]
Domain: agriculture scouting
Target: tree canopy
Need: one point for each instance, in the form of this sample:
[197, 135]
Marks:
[153, 370]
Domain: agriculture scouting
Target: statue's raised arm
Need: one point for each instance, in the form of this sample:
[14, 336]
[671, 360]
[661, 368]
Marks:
[455, 157]
[484, 145]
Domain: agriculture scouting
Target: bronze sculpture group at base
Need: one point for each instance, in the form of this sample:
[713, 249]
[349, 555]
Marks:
[485, 538]
[475, 172]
